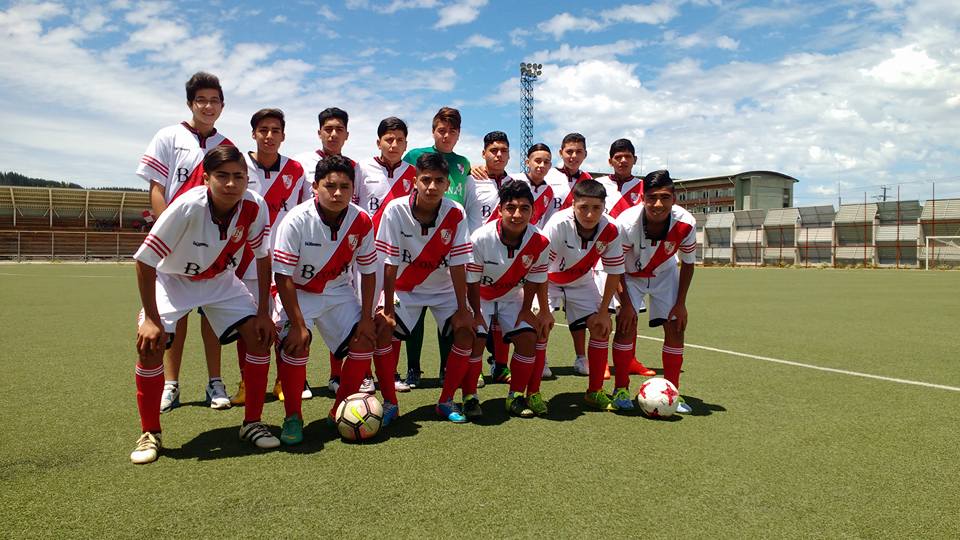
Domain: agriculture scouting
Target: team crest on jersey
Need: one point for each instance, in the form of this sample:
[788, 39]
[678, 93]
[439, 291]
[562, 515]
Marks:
[526, 260]
[634, 197]
[445, 236]
[238, 234]
[353, 240]
[669, 246]
[406, 184]
[600, 246]
[287, 180]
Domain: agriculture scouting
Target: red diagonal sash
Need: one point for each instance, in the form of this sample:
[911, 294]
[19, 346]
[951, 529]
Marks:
[397, 190]
[247, 215]
[676, 235]
[541, 204]
[196, 176]
[432, 254]
[340, 261]
[521, 266]
[586, 264]
[625, 200]
[280, 191]
[568, 202]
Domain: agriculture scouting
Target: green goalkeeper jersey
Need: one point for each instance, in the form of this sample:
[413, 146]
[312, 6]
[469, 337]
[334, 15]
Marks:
[459, 170]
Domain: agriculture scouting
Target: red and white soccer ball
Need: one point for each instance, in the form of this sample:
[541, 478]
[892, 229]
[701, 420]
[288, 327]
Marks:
[359, 417]
[658, 398]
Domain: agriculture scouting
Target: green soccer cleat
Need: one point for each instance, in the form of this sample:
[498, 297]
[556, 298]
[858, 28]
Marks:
[599, 400]
[621, 399]
[292, 432]
[517, 406]
[537, 404]
[471, 407]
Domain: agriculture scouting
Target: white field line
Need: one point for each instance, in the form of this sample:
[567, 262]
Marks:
[810, 366]
[67, 276]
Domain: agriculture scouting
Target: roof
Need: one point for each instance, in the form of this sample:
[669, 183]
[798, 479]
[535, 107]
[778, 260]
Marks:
[730, 177]
[856, 213]
[941, 209]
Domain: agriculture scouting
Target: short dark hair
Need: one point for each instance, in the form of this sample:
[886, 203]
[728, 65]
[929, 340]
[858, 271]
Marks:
[391, 123]
[573, 138]
[656, 180]
[223, 153]
[589, 188]
[202, 80]
[539, 147]
[432, 161]
[515, 189]
[495, 136]
[331, 164]
[622, 145]
[448, 115]
[335, 113]
[260, 115]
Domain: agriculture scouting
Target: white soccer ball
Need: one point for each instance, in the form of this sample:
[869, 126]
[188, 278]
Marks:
[658, 398]
[359, 417]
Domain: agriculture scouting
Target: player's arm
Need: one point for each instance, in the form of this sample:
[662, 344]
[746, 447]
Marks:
[389, 285]
[462, 318]
[473, 296]
[627, 315]
[258, 238]
[158, 198]
[297, 341]
[679, 311]
[151, 338]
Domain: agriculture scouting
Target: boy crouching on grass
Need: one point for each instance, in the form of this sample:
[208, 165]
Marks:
[509, 268]
[185, 263]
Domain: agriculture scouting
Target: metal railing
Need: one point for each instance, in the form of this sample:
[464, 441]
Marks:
[68, 245]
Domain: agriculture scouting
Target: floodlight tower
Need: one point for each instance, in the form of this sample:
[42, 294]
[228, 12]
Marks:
[528, 74]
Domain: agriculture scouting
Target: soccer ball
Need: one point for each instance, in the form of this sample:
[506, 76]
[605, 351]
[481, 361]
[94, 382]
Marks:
[359, 417]
[657, 398]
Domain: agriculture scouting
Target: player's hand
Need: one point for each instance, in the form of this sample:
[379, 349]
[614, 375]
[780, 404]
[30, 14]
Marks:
[600, 325]
[366, 334]
[546, 324]
[479, 172]
[626, 319]
[297, 342]
[264, 329]
[151, 339]
[679, 314]
[462, 319]
[529, 318]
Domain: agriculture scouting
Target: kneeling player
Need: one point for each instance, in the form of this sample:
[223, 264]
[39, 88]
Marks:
[317, 243]
[183, 264]
[509, 267]
[654, 235]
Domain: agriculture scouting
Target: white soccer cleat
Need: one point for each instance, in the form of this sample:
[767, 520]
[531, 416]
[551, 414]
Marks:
[580, 366]
[400, 385]
[147, 450]
[217, 396]
[170, 399]
[546, 371]
[307, 392]
[259, 435]
[683, 408]
[333, 384]
[368, 386]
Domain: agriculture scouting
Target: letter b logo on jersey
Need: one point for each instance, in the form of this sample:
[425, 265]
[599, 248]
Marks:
[182, 174]
[486, 210]
[486, 281]
[374, 204]
[308, 271]
[405, 257]
[192, 269]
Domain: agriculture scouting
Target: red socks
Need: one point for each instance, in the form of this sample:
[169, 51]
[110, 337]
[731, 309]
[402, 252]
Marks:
[385, 364]
[149, 392]
[293, 375]
[474, 369]
[521, 368]
[672, 361]
[622, 355]
[597, 360]
[537, 374]
[456, 370]
[351, 376]
[255, 381]
[336, 366]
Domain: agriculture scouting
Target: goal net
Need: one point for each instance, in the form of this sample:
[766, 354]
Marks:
[942, 252]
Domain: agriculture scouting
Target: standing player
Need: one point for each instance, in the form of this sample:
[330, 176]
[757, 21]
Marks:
[655, 234]
[183, 264]
[579, 237]
[173, 164]
[548, 196]
[424, 237]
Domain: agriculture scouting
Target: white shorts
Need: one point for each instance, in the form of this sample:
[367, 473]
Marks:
[579, 302]
[225, 301]
[254, 288]
[600, 277]
[663, 291]
[334, 313]
[506, 313]
[409, 305]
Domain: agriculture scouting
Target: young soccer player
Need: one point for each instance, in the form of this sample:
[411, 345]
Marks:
[184, 263]
[548, 196]
[317, 244]
[172, 164]
[579, 237]
[655, 234]
[424, 237]
[509, 267]
[282, 184]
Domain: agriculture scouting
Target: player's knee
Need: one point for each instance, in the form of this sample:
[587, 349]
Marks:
[151, 359]
[672, 332]
[525, 343]
[463, 337]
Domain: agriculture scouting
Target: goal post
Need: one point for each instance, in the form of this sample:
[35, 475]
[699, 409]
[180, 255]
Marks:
[941, 249]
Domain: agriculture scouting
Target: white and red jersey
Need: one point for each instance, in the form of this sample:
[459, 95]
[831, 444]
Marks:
[382, 184]
[188, 241]
[309, 162]
[423, 254]
[620, 197]
[487, 197]
[318, 255]
[558, 176]
[501, 269]
[174, 158]
[645, 258]
[548, 197]
[572, 258]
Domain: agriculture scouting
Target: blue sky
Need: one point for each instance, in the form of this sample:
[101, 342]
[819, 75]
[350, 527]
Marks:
[843, 95]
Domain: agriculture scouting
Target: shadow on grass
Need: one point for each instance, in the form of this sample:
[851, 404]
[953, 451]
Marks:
[566, 406]
[701, 407]
[563, 371]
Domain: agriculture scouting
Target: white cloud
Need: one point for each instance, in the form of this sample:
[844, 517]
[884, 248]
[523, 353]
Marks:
[327, 13]
[459, 12]
[480, 41]
[279, 19]
[727, 43]
[766, 16]
[566, 53]
[653, 14]
[697, 40]
[398, 5]
[560, 24]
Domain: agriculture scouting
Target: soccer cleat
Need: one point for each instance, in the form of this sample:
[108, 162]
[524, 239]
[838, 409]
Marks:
[480, 381]
[170, 399]
[471, 407]
[399, 385]
[606, 372]
[637, 368]
[240, 397]
[413, 378]
[147, 450]
[580, 366]
[390, 413]
[333, 384]
[278, 390]
[259, 435]
[292, 432]
[500, 373]
[547, 374]
[599, 400]
[307, 392]
[217, 395]
[451, 412]
[621, 398]
[682, 407]
[517, 406]
[368, 386]
[537, 404]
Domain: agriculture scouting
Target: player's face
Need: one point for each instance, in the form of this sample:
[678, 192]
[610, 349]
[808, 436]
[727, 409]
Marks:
[333, 134]
[334, 191]
[392, 146]
[515, 215]
[269, 134]
[622, 163]
[496, 155]
[206, 107]
[227, 184]
[587, 211]
[538, 163]
[573, 155]
[657, 204]
[445, 137]
[431, 185]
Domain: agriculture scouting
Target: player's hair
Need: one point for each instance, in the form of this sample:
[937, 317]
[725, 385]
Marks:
[515, 189]
[448, 115]
[657, 180]
[260, 115]
[432, 161]
[573, 138]
[539, 147]
[202, 80]
[333, 113]
[589, 188]
[495, 136]
[391, 123]
[332, 164]
[221, 154]
[622, 145]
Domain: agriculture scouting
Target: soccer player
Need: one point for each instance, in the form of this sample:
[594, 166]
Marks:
[548, 196]
[317, 244]
[173, 164]
[579, 237]
[183, 264]
[424, 237]
[509, 269]
[282, 184]
[654, 235]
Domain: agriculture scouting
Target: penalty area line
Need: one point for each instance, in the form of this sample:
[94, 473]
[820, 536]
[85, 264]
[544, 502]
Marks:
[808, 366]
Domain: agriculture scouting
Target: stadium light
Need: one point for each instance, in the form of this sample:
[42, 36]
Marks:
[529, 72]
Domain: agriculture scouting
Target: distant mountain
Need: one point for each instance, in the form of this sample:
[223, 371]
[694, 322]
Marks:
[17, 179]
